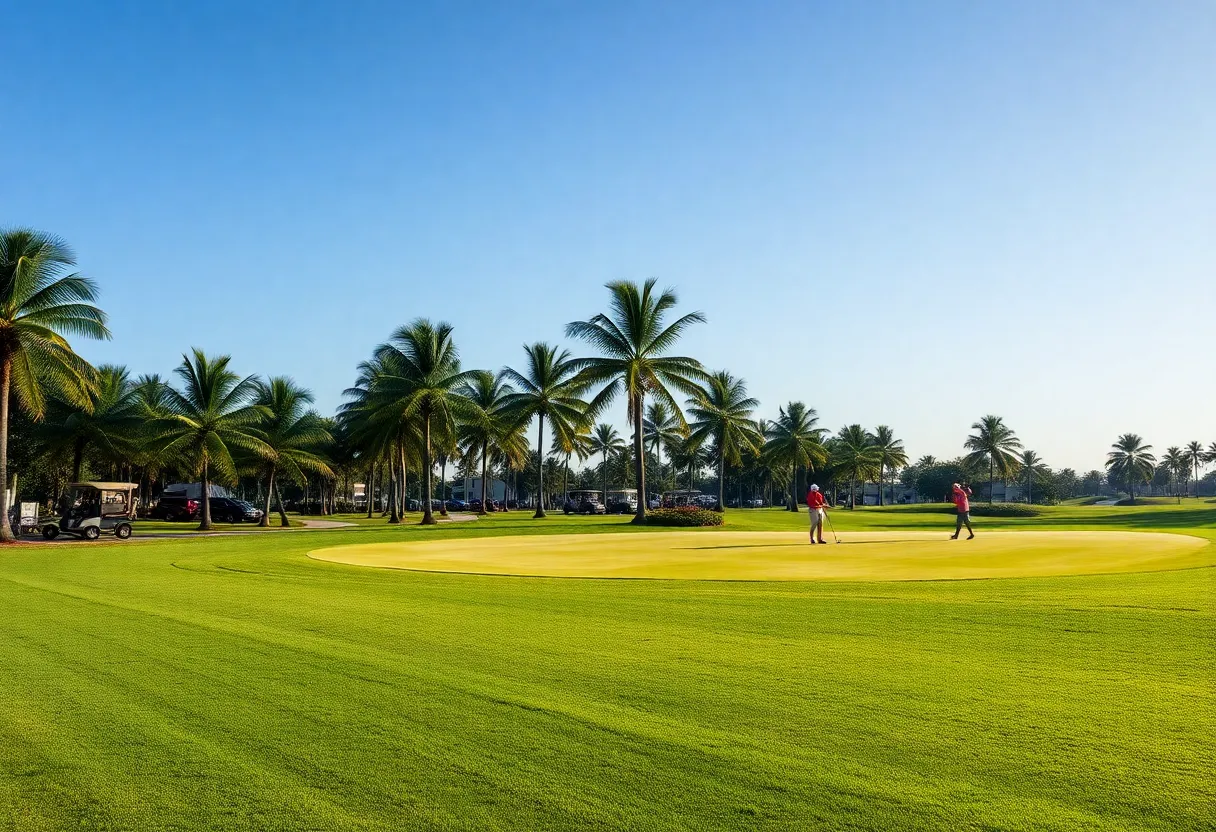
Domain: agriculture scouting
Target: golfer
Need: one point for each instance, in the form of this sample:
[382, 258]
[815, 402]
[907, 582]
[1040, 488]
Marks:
[962, 502]
[817, 506]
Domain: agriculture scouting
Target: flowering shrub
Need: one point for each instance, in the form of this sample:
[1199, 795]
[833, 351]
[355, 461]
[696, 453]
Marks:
[683, 516]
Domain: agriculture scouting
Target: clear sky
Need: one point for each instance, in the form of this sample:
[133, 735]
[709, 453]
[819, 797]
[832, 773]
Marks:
[901, 213]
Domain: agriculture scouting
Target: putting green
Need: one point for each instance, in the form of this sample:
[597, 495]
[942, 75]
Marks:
[786, 556]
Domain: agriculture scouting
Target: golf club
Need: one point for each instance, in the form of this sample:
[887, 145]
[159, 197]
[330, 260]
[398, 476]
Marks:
[828, 516]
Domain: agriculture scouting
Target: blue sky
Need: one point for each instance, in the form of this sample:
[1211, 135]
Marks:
[910, 214]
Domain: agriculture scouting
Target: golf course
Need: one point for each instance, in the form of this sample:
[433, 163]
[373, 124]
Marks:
[494, 677]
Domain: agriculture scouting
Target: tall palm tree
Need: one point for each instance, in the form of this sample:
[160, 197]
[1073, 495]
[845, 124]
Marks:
[1031, 464]
[1131, 461]
[856, 456]
[1175, 461]
[722, 411]
[388, 438]
[793, 442]
[891, 455]
[606, 441]
[1195, 458]
[39, 304]
[487, 427]
[1209, 456]
[293, 434]
[995, 443]
[423, 373]
[212, 416]
[660, 430]
[111, 422]
[547, 389]
[633, 340]
[151, 396]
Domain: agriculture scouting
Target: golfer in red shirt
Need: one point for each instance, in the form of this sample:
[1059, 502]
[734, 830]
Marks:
[961, 496]
[817, 506]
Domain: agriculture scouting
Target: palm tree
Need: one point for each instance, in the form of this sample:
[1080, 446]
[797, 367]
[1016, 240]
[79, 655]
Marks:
[487, 427]
[634, 340]
[722, 411]
[660, 430]
[856, 456]
[38, 306]
[292, 433]
[423, 372]
[547, 389]
[1209, 457]
[151, 396]
[605, 440]
[793, 442]
[111, 422]
[1195, 458]
[1175, 463]
[212, 416]
[1032, 465]
[579, 445]
[386, 437]
[993, 442]
[1131, 461]
[891, 454]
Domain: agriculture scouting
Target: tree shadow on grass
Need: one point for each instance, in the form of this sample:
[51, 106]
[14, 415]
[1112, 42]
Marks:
[1132, 517]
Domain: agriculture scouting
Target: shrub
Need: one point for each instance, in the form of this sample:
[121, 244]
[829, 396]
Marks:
[1005, 510]
[683, 516]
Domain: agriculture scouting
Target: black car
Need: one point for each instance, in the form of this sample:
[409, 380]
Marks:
[171, 507]
[228, 510]
[620, 507]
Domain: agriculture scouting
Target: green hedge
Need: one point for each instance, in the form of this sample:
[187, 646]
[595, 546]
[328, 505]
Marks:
[687, 516]
[1004, 510]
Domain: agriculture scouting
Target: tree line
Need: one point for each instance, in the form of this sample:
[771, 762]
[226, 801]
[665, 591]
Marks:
[413, 408]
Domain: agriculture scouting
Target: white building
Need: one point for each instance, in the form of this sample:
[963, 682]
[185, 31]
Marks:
[469, 488]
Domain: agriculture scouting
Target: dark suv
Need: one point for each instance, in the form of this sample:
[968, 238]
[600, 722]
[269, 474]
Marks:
[228, 510]
[176, 508]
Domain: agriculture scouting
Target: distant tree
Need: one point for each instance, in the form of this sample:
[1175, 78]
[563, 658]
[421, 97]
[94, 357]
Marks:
[1066, 483]
[487, 430]
[1195, 457]
[934, 481]
[853, 451]
[793, 443]
[1130, 461]
[606, 441]
[633, 341]
[661, 430]
[993, 442]
[722, 411]
[1032, 468]
[212, 416]
[1091, 483]
[1174, 462]
[891, 454]
[547, 389]
[109, 423]
[293, 434]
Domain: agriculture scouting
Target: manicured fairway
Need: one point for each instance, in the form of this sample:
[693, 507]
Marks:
[787, 556]
[235, 683]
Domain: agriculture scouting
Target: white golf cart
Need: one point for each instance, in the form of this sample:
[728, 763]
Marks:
[94, 508]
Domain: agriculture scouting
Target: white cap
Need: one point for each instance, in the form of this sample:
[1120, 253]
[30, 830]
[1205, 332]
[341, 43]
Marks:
[814, 487]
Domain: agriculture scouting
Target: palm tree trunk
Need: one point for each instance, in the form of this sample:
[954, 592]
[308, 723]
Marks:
[882, 470]
[6, 371]
[77, 459]
[721, 480]
[991, 474]
[485, 449]
[443, 481]
[369, 490]
[265, 521]
[205, 525]
[394, 487]
[604, 477]
[540, 466]
[278, 499]
[794, 491]
[639, 461]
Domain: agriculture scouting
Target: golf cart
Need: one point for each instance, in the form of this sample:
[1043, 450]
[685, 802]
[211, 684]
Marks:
[93, 508]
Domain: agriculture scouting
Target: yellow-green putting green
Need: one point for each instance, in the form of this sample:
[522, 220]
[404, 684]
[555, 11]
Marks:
[787, 556]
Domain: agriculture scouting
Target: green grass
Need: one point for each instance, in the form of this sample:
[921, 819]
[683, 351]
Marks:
[232, 683]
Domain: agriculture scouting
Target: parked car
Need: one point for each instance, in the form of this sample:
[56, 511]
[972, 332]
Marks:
[457, 505]
[619, 507]
[228, 510]
[413, 505]
[755, 502]
[176, 508]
